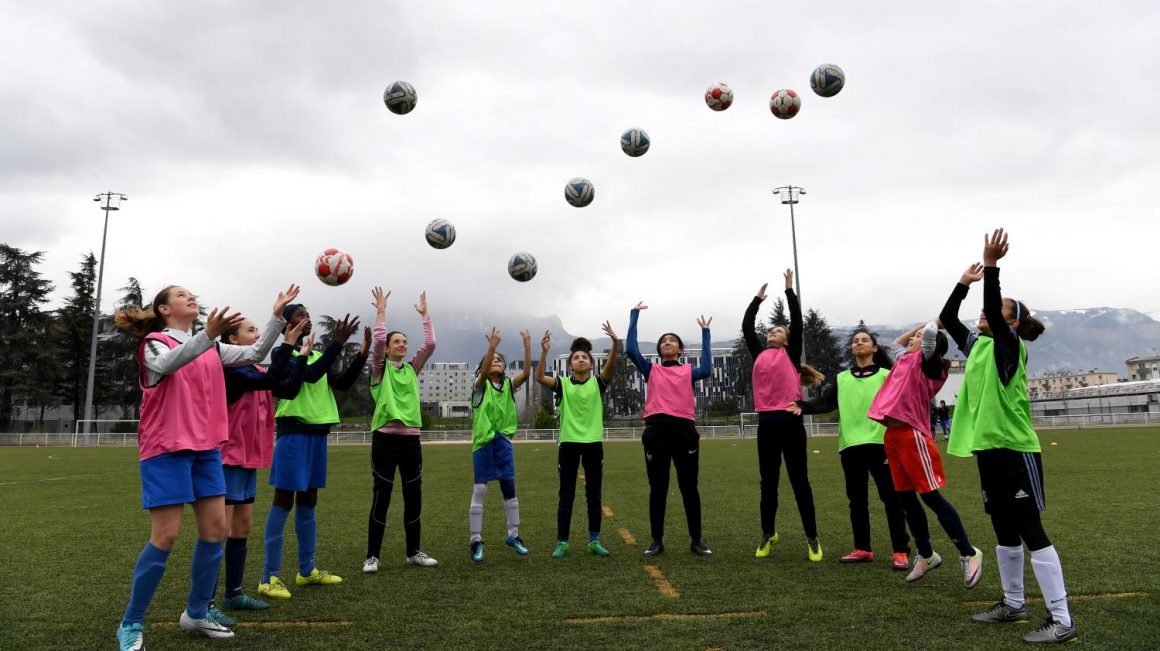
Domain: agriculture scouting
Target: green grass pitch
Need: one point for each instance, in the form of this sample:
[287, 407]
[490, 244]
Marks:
[72, 527]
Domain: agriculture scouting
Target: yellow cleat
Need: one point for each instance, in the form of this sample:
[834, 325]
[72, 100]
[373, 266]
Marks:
[318, 577]
[275, 589]
[765, 547]
[814, 548]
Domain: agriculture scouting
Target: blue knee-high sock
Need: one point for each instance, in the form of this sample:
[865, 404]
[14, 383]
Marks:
[306, 527]
[207, 562]
[235, 566]
[275, 532]
[146, 577]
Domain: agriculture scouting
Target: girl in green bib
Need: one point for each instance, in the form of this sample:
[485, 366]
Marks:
[580, 401]
[395, 429]
[493, 423]
[993, 423]
[861, 447]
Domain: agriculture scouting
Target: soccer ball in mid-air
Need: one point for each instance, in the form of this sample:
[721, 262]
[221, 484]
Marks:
[827, 80]
[579, 192]
[634, 142]
[440, 233]
[719, 96]
[785, 103]
[522, 267]
[334, 267]
[400, 97]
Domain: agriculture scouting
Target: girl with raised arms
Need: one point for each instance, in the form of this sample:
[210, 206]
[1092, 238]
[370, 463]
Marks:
[861, 448]
[298, 471]
[903, 406]
[493, 423]
[250, 394]
[993, 423]
[670, 434]
[396, 425]
[183, 423]
[581, 405]
[778, 376]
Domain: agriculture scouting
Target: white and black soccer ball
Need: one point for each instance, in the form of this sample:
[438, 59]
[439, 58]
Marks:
[440, 233]
[522, 267]
[579, 192]
[719, 96]
[827, 80]
[400, 97]
[634, 142]
[785, 103]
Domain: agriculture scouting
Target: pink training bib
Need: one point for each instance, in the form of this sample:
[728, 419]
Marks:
[905, 396]
[185, 410]
[670, 391]
[776, 382]
[251, 430]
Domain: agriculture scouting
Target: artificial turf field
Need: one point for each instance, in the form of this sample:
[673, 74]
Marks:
[72, 526]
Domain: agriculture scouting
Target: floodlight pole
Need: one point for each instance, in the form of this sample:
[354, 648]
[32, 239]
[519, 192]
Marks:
[789, 196]
[111, 201]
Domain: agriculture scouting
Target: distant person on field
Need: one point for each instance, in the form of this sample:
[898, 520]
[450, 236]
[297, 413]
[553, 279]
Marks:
[944, 419]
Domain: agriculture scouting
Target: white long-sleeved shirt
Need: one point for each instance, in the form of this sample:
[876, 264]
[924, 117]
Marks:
[161, 360]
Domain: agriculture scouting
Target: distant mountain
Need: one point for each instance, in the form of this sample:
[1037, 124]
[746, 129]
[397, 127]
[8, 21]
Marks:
[1078, 340]
[1075, 340]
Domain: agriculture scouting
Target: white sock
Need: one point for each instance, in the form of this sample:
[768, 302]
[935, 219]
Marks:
[475, 513]
[1010, 560]
[1049, 574]
[512, 509]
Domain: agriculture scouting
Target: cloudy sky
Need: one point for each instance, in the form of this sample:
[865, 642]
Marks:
[251, 135]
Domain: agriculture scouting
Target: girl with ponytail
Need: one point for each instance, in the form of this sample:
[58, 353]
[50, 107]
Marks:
[993, 423]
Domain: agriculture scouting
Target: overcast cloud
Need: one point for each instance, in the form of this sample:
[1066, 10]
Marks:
[249, 136]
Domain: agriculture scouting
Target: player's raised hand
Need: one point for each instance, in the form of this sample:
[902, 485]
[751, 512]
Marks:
[546, 342]
[493, 338]
[285, 298]
[366, 342]
[994, 248]
[345, 328]
[640, 306]
[789, 278]
[761, 292]
[381, 299]
[221, 320]
[527, 337]
[294, 332]
[703, 323]
[607, 328]
[421, 306]
[307, 345]
[974, 273]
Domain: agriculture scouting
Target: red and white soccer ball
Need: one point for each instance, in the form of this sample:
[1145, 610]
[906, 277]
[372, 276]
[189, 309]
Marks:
[719, 96]
[785, 103]
[334, 267]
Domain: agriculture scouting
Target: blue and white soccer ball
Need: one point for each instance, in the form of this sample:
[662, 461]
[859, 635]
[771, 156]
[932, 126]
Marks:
[522, 267]
[827, 80]
[579, 192]
[634, 142]
[400, 97]
[440, 233]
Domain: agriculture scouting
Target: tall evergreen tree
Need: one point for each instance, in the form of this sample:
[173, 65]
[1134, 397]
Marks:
[117, 372]
[778, 316]
[24, 330]
[622, 398]
[72, 336]
[824, 349]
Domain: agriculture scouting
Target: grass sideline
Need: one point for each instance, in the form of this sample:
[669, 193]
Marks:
[72, 529]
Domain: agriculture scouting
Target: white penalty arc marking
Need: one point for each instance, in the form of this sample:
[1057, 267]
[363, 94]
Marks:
[37, 481]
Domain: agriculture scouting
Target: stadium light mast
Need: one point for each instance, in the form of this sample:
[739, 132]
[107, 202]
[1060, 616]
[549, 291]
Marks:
[789, 196]
[109, 201]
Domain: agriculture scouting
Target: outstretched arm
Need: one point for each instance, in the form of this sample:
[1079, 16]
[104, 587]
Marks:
[705, 366]
[794, 345]
[428, 347]
[609, 369]
[631, 347]
[524, 374]
[748, 329]
[949, 317]
[243, 355]
[541, 377]
[1006, 340]
[379, 349]
[485, 367]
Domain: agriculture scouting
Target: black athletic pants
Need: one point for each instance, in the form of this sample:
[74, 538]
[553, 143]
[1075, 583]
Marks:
[781, 434]
[859, 464]
[568, 460]
[388, 452]
[675, 440]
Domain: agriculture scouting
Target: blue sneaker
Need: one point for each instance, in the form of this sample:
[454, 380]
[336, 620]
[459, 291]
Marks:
[477, 551]
[214, 614]
[131, 637]
[244, 602]
[517, 543]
